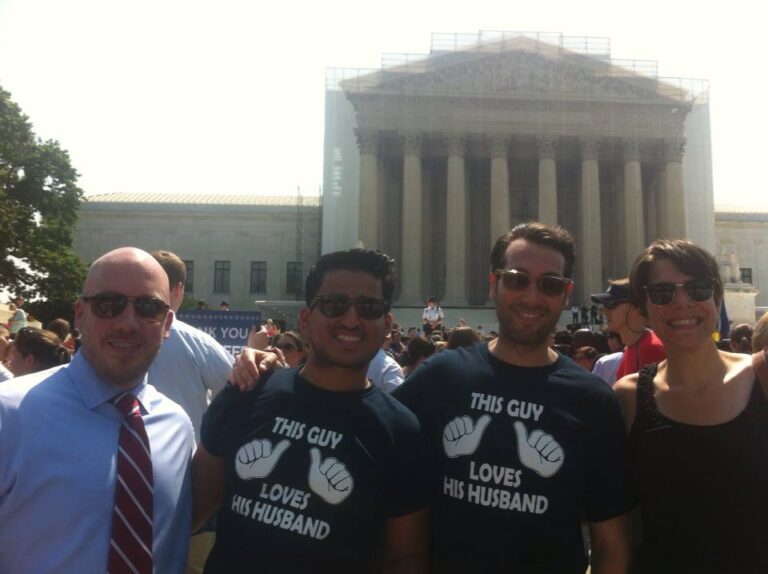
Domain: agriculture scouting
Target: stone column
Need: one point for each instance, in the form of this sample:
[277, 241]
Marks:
[456, 223]
[673, 199]
[500, 222]
[410, 265]
[370, 214]
[547, 180]
[589, 212]
[633, 218]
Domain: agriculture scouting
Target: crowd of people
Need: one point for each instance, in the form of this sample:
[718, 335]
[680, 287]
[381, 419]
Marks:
[349, 445]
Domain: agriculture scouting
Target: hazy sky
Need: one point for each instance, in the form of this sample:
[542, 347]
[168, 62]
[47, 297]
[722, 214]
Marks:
[227, 96]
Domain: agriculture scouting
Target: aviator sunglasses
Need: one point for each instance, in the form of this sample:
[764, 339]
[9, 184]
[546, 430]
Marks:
[549, 285]
[335, 305]
[663, 293]
[108, 306]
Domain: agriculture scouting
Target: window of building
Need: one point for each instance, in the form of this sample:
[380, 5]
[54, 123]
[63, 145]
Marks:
[746, 275]
[294, 282]
[189, 286]
[258, 276]
[221, 277]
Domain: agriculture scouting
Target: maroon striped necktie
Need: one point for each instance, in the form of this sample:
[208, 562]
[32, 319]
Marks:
[130, 546]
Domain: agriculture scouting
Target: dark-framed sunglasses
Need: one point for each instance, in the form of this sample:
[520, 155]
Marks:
[663, 293]
[549, 285]
[110, 305]
[611, 305]
[335, 305]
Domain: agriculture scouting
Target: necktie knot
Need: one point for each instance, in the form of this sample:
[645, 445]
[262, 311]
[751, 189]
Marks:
[127, 404]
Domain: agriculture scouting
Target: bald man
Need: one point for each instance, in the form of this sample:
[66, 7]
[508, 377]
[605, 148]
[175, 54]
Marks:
[94, 463]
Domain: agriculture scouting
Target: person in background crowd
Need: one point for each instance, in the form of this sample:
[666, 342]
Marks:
[462, 337]
[606, 366]
[741, 339]
[63, 330]
[698, 426]
[384, 371]
[418, 351]
[585, 357]
[432, 317]
[224, 305]
[5, 336]
[272, 329]
[94, 462]
[36, 350]
[642, 345]
[760, 334]
[201, 305]
[342, 463]
[19, 318]
[552, 432]
[293, 347]
[396, 346]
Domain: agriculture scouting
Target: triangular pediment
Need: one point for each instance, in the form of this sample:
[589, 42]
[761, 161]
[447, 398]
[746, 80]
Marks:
[516, 70]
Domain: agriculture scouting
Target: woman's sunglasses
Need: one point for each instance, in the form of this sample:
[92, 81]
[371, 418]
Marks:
[549, 285]
[335, 305]
[108, 306]
[663, 293]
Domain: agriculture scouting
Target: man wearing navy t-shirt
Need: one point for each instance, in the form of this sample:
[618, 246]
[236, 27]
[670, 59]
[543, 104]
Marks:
[523, 443]
[317, 470]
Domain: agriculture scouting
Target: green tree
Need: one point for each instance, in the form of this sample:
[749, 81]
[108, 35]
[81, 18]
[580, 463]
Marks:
[39, 199]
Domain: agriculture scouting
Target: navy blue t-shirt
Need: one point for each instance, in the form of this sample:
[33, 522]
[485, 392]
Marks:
[312, 475]
[519, 455]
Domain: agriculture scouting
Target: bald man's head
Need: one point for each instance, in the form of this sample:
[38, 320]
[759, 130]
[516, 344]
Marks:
[119, 332]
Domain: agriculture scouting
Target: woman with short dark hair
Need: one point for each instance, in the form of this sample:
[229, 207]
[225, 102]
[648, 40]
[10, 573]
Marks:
[698, 426]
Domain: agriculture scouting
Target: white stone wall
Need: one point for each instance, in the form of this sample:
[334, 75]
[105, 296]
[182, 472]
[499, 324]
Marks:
[749, 237]
[205, 234]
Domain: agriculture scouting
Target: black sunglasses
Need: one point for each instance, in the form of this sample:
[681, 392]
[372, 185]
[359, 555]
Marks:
[549, 285]
[335, 305]
[663, 293]
[611, 305]
[108, 306]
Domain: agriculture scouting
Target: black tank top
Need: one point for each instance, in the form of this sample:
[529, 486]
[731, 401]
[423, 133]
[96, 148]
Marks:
[702, 490]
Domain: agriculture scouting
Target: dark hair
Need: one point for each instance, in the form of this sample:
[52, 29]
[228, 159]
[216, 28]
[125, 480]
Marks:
[59, 326]
[375, 263]
[741, 338]
[462, 337]
[173, 266]
[688, 257]
[588, 352]
[300, 344]
[418, 348]
[552, 236]
[44, 346]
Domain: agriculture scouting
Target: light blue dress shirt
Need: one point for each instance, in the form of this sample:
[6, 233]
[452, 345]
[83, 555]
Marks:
[190, 368]
[58, 443]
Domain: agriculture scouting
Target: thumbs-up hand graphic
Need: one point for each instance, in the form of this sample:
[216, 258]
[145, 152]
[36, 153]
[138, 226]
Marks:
[461, 436]
[329, 478]
[257, 458]
[538, 451]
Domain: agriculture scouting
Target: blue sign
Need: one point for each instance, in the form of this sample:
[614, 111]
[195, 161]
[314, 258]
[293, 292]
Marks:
[230, 328]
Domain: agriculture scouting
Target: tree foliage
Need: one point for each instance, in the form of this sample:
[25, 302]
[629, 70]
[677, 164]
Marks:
[39, 199]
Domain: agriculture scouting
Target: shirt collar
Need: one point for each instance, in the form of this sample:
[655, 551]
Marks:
[93, 390]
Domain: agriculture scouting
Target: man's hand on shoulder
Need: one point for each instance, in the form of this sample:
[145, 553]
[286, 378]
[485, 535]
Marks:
[252, 364]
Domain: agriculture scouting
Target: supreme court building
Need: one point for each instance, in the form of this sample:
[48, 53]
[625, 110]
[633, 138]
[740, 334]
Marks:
[431, 157]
